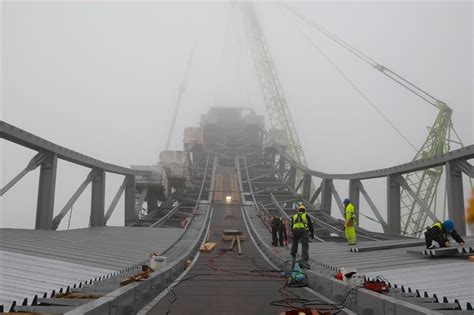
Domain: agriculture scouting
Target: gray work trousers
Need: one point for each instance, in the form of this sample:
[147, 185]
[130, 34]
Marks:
[300, 234]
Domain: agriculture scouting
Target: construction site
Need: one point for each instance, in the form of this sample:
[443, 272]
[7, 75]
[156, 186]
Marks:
[197, 226]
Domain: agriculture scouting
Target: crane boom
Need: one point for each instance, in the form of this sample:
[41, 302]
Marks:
[182, 89]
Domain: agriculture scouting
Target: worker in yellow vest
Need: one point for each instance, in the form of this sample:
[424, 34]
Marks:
[301, 227]
[438, 235]
[350, 222]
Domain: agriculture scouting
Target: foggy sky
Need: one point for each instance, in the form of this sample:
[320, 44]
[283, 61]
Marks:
[103, 79]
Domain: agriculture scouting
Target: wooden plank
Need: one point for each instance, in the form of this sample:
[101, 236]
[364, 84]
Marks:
[64, 301]
[208, 247]
[238, 245]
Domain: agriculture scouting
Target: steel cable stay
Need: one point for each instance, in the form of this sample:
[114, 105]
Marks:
[357, 89]
[356, 52]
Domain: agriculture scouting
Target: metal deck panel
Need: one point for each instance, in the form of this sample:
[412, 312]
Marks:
[37, 261]
[450, 277]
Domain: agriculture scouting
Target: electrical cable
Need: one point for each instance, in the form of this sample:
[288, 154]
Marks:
[258, 273]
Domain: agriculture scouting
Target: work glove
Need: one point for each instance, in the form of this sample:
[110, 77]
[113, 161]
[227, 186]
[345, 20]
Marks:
[312, 236]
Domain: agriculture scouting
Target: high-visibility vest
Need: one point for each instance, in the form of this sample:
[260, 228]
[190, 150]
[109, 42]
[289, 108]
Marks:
[438, 224]
[349, 211]
[300, 221]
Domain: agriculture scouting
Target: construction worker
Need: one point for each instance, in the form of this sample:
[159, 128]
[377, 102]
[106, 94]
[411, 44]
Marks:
[301, 227]
[439, 233]
[350, 222]
[279, 235]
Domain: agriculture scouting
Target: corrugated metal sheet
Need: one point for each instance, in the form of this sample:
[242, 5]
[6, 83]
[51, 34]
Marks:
[448, 277]
[33, 262]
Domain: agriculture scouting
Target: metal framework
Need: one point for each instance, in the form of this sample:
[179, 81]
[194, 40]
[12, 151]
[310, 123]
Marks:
[47, 160]
[277, 106]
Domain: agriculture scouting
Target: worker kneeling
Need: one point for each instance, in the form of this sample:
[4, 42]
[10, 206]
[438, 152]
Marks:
[301, 227]
[439, 233]
[350, 222]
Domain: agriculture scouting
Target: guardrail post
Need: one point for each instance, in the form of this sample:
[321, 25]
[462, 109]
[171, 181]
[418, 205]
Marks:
[393, 204]
[130, 215]
[306, 186]
[455, 194]
[46, 190]
[98, 199]
[354, 196]
[326, 195]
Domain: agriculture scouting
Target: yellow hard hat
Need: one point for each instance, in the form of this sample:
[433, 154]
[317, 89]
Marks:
[302, 207]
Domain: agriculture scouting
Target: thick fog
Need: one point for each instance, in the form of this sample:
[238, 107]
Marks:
[103, 79]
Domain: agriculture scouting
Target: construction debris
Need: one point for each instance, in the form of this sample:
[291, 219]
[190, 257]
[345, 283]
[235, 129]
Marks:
[77, 295]
[208, 247]
[235, 237]
[146, 270]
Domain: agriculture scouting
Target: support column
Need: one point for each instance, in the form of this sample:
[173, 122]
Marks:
[393, 204]
[46, 190]
[130, 215]
[306, 186]
[326, 195]
[98, 199]
[354, 196]
[455, 193]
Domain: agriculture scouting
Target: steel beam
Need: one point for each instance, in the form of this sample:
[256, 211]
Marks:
[57, 219]
[466, 167]
[393, 204]
[338, 200]
[292, 177]
[115, 201]
[306, 186]
[46, 191]
[98, 199]
[282, 165]
[374, 209]
[454, 189]
[464, 153]
[423, 205]
[141, 199]
[354, 196]
[130, 189]
[326, 195]
[26, 139]
[33, 164]
[299, 184]
[316, 194]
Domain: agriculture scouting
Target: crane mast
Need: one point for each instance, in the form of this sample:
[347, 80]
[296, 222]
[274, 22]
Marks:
[277, 107]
